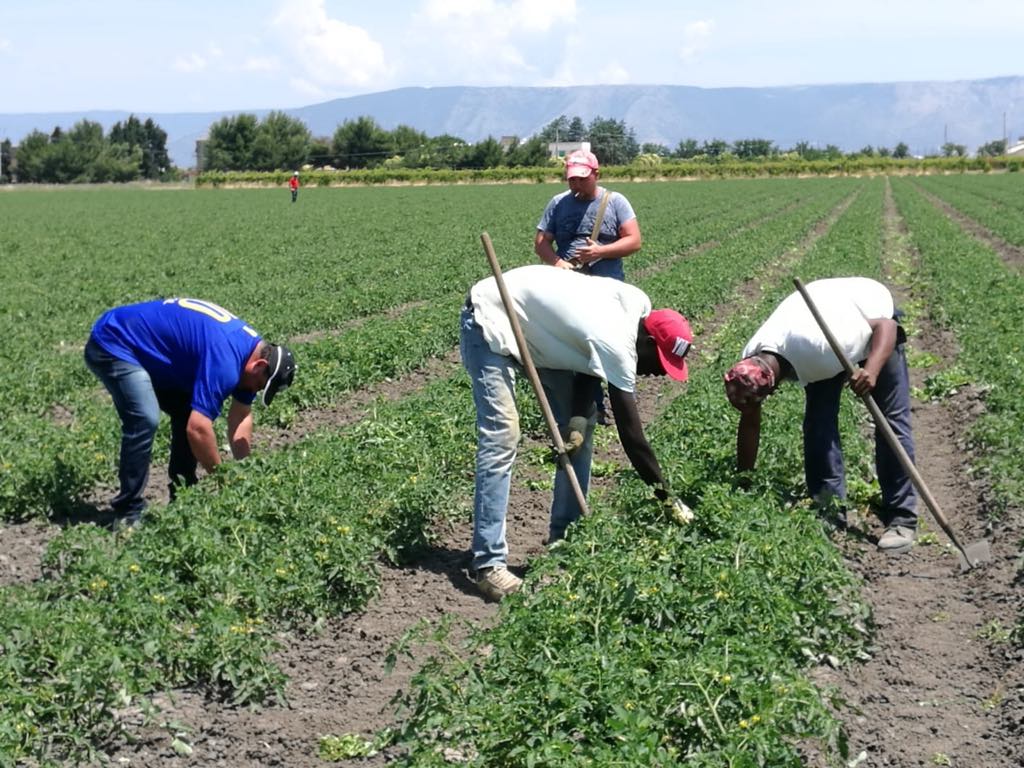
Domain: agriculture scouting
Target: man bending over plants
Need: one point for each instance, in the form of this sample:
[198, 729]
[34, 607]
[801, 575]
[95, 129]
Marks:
[573, 324]
[791, 345]
[183, 357]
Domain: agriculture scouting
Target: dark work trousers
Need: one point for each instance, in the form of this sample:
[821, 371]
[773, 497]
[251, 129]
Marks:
[181, 470]
[823, 454]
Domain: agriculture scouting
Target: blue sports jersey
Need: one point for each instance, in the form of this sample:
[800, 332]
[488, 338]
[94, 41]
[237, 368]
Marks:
[186, 345]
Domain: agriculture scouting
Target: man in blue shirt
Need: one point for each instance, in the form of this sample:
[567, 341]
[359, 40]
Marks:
[183, 357]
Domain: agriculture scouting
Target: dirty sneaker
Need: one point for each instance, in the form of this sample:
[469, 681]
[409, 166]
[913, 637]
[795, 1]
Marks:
[897, 539]
[497, 582]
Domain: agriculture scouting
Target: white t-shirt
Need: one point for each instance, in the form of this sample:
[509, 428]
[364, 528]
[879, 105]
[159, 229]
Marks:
[846, 304]
[571, 322]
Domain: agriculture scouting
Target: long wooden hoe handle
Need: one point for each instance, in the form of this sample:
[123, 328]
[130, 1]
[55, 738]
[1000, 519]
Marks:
[531, 372]
[883, 426]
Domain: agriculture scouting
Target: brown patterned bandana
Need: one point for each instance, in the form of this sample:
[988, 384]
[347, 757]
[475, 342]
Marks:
[750, 381]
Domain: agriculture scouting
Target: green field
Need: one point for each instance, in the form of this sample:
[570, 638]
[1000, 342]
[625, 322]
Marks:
[636, 643]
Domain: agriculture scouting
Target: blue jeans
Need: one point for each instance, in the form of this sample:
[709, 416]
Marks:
[138, 405]
[493, 379]
[823, 454]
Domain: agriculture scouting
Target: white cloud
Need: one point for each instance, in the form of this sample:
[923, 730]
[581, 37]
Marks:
[696, 38]
[190, 64]
[513, 16]
[5, 45]
[331, 53]
[261, 64]
[614, 74]
[305, 87]
[489, 41]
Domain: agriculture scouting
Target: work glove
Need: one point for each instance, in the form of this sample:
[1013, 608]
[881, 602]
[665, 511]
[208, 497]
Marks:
[678, 511]
[574, 434]
[674, 506]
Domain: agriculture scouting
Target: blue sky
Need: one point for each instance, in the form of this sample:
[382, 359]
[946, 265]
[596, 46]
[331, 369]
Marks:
[209, 55]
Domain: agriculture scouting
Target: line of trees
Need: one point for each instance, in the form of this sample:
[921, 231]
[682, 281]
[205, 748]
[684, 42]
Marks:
[138, 150]
[243, 143]
[132, 150]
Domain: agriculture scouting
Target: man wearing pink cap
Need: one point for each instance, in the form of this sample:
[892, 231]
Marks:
[572, 324]
[790, 345]
[568, 223]
[565, 231]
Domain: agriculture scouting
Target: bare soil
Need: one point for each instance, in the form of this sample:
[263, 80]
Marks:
[943, 687]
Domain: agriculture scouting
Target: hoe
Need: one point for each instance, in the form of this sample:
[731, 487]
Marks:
[973, 554]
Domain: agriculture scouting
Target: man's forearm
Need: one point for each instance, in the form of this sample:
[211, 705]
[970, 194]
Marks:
[544, 250]
[203, 442]
[748, 438]
[634, 441]
[240, 430]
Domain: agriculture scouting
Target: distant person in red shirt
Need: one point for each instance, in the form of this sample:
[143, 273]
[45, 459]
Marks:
[293, 185]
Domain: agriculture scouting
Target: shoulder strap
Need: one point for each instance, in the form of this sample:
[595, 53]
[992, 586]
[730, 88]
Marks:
[600, 215]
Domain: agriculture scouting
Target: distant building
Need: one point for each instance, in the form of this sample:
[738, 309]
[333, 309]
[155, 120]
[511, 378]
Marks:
[507, 142]
[1016, 149]
[559, 149]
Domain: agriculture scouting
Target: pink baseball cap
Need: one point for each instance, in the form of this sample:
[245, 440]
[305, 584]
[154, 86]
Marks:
[580, 164]
[673, 337]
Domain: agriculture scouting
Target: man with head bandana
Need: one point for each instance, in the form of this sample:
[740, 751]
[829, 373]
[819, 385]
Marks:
[790, 345]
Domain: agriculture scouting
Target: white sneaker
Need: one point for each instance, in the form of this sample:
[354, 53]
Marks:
[497, 582]
[897, 539]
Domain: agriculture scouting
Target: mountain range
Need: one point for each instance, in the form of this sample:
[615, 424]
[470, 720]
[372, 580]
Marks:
[924, 115]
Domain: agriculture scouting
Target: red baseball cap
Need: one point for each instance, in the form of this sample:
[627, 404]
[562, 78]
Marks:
[673, 337]
[580, 164]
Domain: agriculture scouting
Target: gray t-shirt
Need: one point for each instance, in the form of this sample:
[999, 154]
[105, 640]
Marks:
[571, 221]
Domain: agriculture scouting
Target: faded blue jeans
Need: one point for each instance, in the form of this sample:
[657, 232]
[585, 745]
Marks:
[823, 454]
[138, 405]
[493, 378]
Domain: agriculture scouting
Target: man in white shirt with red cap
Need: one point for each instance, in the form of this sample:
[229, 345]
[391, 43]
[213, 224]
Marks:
[573, 324]
[791, 345]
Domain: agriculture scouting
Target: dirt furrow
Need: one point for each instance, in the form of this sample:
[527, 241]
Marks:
[1013, 255]
[934, 691]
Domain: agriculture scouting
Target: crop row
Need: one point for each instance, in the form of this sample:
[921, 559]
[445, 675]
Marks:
[639, 642]
[59, 434]
[196, 596]
[999, 206]
[974, 292]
